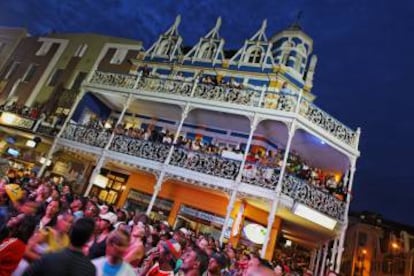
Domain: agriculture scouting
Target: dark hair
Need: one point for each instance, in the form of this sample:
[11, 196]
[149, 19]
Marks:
[202, 257]
[24, 229]
[81, 231]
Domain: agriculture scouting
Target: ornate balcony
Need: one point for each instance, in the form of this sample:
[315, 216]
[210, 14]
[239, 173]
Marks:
[280, 101]
[301, 191]
[114, 80]
[140, 148]
[262, 176]
[205, 163]
[96, 137]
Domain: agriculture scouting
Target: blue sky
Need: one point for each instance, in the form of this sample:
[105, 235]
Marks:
[363, 76]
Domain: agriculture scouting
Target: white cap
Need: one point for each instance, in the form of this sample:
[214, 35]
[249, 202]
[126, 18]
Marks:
[111, 217]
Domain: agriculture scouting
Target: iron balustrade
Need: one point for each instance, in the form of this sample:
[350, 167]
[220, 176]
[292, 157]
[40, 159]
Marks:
[140, 148]
[281, 101]
[168, 86]
[222, 93]
[317, 116]
[262, 176]
[114, 79]
[205, 163]
[97, 137]
[301, 191]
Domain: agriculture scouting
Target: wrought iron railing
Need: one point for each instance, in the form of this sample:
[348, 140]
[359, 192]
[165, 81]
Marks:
[114, 79]
[324, 202]
[168, 86]
[242, 96]
[140, 148]
[262, 176]
[205, 163]
[97, 137]
[317, 116]
[282, 101]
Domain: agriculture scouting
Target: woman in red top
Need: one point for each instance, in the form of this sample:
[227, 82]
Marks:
[12, 248]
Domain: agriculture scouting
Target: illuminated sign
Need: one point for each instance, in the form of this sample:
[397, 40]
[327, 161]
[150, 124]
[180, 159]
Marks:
[255, 233]
[11, 119]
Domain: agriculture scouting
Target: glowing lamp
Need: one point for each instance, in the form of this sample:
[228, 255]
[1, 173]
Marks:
[255, 233]
[31, 143]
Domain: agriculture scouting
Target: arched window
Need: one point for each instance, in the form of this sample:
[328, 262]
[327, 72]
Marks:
[253, 55]
[207, 51]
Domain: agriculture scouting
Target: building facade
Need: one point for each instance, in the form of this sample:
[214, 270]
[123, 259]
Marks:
[228, 143]
[375, 246]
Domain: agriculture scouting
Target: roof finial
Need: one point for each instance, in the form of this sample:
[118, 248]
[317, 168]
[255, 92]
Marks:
[177, 21]
[218, 23]
[264, 25]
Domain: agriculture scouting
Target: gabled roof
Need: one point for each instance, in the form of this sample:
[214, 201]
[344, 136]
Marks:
[259, 39]
[168, 44]
[210, 42]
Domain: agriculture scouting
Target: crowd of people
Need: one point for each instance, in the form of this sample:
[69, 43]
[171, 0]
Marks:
[260, 165]
[46, 229]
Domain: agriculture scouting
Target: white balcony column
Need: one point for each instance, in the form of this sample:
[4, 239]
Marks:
[196, 81]
[338, 259]
[278, 190]
[101, 159]
[334, 251]
[157, 187]
[230, 205]
[318, 260]
[65, 123]
[325, 254]
[139, 76]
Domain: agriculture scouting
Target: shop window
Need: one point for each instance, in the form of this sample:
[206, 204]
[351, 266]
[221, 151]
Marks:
[114, 188]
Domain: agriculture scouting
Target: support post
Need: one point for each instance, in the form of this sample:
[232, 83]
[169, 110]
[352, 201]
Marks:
[157, 187]
[345, 226]
[230, 205]
[56, 140]
[278, 190]
[101, 159]
[334, 251]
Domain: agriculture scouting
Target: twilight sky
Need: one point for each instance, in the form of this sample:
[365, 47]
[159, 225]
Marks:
[363, 76]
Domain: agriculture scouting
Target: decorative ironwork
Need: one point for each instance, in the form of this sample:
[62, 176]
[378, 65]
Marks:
[113, 79]
[205, 163]
[168, 86]
[280, 101]
[140, 148]
[313, 197]
[220, 93]
[322, 119]
[87, 135]
[265, 177]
